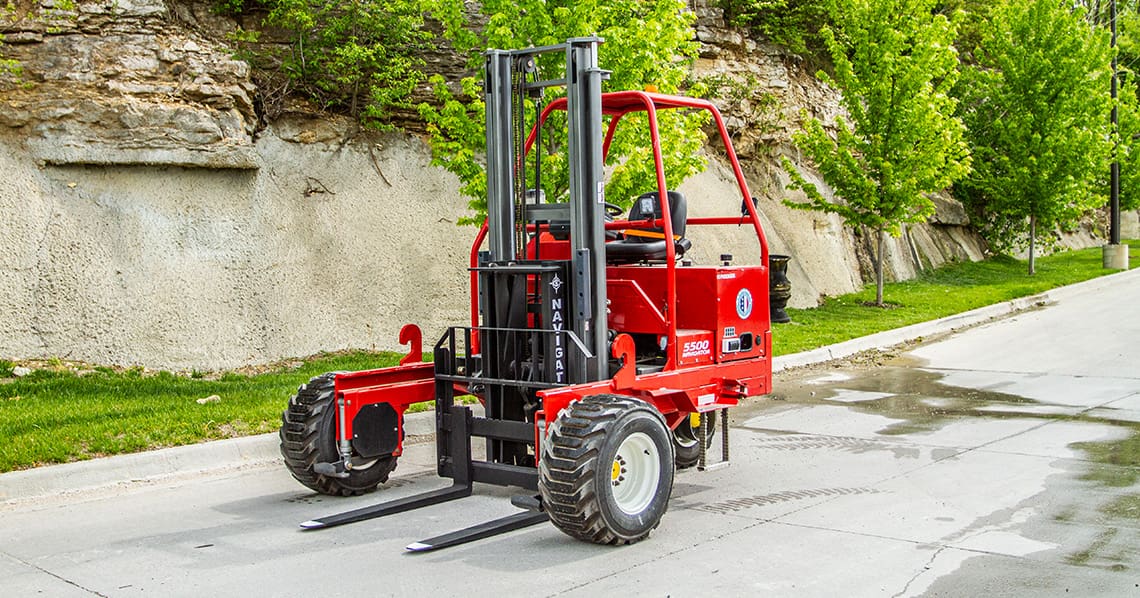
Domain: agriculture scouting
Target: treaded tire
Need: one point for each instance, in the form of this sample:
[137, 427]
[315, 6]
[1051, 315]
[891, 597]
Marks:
[578, 471]
[686, 441]
[308, 436]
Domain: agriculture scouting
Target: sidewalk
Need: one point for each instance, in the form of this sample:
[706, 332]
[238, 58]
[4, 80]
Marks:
[262, 451]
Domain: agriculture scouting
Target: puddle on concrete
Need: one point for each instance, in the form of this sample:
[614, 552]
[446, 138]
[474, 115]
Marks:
[1032, 409]
[921, 400]
[916, 399]
[830, 377]
[1115, 414]
[1117, 463]
[1003, 542]
[857, 396]
[1093, 514]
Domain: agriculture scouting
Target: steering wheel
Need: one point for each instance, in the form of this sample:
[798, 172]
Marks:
[613, 210]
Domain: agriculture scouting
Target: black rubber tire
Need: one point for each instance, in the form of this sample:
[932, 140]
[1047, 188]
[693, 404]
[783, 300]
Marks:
[308, 436]
[576, 476]
[686, 442]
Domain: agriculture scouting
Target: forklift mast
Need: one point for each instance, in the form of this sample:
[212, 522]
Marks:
[512, 77]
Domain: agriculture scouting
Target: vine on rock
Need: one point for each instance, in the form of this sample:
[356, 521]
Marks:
[359, 57]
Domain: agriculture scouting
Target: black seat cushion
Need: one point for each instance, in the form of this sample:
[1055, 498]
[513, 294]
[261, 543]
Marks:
[649, 244]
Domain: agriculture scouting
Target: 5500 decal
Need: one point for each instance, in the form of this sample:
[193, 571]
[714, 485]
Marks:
[695, 348]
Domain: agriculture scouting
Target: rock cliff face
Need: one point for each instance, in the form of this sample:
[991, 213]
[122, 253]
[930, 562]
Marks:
[125, 82]
[146, 219]
[322, 247]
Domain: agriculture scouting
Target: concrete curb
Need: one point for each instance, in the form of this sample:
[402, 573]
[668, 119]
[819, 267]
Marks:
[175, 462]
[20, 486]
[262, 451]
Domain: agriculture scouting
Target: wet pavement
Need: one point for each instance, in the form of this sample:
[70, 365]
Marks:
[1011, 483]
[999, 461]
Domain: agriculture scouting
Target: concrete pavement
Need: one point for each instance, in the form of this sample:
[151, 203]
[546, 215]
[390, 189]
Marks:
[999, 460]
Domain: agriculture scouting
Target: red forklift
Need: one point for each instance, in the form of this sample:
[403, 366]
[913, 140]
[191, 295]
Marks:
[600, 354]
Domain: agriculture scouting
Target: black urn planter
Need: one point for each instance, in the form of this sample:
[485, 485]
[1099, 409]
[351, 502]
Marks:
[779, 288]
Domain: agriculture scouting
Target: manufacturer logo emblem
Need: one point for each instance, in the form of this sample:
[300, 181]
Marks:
[744, 304]
[556, 283]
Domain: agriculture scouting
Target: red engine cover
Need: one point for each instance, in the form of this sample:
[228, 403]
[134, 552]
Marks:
[725, 307]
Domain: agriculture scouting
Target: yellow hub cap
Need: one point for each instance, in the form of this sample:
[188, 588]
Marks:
[615, 472]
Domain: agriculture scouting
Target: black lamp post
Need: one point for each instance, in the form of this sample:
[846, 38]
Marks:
[1115, 255]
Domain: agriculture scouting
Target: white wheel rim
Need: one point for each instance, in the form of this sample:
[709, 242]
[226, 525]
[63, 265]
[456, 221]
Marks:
[634, 473]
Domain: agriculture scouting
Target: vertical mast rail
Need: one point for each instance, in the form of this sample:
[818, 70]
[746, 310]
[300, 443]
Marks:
[500, 153]
[587, 199]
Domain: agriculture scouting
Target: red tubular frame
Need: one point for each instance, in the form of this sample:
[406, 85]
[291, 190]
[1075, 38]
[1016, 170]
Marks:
[674, 391]
[618, 104]
[479, 238]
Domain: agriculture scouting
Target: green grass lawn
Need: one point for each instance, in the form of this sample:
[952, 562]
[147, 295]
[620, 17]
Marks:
[56, 414]
[60, 413]
[935, 294]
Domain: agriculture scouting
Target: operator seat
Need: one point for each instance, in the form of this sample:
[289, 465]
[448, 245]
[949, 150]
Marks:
[639, 245]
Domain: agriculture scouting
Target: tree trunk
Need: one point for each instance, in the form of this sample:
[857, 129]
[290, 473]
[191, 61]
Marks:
[1032, 244]
[879, 271]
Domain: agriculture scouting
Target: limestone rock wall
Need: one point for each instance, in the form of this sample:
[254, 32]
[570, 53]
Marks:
[124, 82]
[146, 220]
[322, 248]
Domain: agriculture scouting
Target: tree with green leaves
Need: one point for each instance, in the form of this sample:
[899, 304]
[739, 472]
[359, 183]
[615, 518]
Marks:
[894, 64]
[359, 57]
[647, 42]
[1036, 105]
[794, 24]
[1128, 142]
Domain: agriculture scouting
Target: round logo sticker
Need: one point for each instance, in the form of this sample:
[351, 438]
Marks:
[744, 304]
